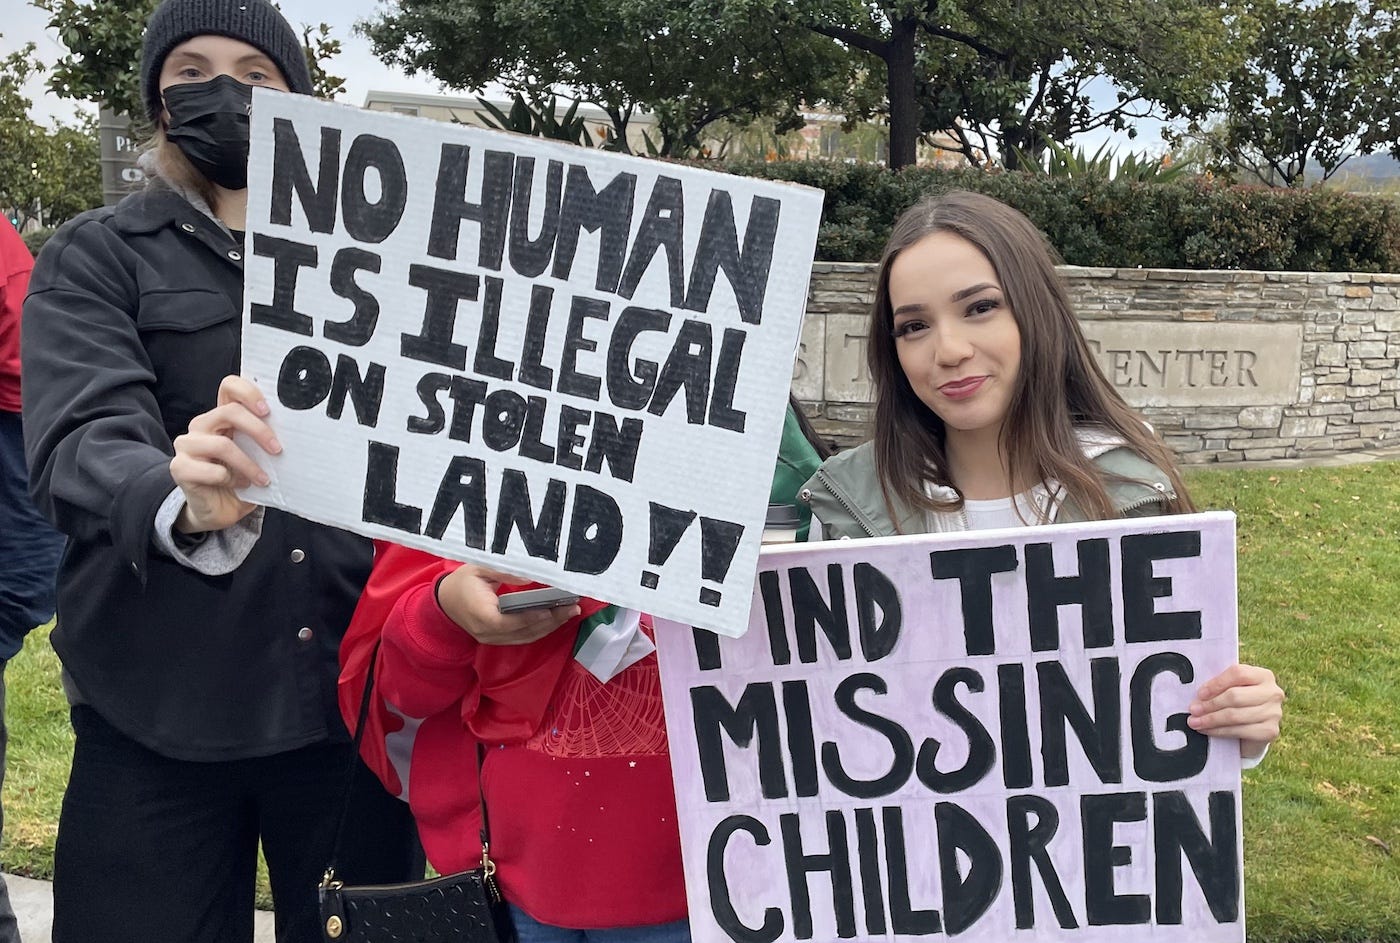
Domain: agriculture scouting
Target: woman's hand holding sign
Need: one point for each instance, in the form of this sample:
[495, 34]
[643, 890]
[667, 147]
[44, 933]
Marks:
[209, 467]
[468, 596]
[1242, 701]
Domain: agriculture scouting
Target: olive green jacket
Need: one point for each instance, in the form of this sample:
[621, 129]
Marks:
[845, 494]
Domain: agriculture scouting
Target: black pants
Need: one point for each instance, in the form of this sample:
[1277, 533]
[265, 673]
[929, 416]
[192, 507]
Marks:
[154, 849]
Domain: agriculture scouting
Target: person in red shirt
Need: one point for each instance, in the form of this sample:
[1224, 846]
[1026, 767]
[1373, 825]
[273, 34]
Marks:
[15, 265]
[577, 773]
[29, 547]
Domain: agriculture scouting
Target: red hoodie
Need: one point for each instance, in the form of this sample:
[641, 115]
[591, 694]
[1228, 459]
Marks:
[577, 774]
[15, 266]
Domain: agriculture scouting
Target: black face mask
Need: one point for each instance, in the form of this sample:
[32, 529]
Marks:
[209, 124]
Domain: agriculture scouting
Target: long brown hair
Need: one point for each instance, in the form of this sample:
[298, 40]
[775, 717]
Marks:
[176, 168]
[814, 439]
[1059, 385]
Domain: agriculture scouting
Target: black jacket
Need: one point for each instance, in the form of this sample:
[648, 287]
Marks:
[132, 320]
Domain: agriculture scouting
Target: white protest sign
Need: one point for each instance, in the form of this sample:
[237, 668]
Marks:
[569, 364]
[974, 735]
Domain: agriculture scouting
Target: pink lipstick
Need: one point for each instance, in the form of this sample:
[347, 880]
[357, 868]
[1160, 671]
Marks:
[962, 389]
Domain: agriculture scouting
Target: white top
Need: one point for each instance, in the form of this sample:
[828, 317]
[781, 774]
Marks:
[1033, 506]
[1040, 504]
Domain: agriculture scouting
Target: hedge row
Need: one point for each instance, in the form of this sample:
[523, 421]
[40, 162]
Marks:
[34, 239]
[1189, 223]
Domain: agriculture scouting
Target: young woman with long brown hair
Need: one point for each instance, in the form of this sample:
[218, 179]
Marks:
[991, 412]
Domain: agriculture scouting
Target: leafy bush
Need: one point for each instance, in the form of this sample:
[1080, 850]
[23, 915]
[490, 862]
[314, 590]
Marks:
[36, 238]
[1192, 222]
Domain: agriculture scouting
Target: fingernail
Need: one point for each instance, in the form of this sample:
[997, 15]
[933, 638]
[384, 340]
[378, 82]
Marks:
[1195, 707]
[276, 447]
[264, 481]
[1194, 721]
[261, 407]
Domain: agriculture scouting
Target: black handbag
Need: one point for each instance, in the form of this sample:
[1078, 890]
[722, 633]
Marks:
[466, 907]
[458, 908]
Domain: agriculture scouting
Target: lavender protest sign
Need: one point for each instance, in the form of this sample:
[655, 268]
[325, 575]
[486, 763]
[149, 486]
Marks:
[567, 363]
[972, 735]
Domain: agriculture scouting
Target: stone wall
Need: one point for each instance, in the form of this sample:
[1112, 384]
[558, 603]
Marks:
[1228, 366]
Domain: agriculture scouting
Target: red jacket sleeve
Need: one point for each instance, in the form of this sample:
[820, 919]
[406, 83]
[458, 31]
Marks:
[428, 665]
[396, 570]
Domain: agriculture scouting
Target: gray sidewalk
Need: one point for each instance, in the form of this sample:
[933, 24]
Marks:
[33, 904]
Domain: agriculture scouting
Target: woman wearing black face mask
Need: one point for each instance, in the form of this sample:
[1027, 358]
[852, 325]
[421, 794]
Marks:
[202, 673]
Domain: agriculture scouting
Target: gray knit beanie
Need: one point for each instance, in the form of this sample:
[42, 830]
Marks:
[256, 22]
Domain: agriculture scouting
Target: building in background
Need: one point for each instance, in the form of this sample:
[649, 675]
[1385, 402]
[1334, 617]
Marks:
[821, 138]
[470, 111]
[824, 137]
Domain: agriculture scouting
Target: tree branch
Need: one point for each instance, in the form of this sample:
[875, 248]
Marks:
[971, 41]
[842, 34]
[1034, 104]
[965, 146]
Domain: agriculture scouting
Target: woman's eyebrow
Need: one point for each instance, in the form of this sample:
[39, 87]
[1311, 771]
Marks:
[969, 292]
[919, 306]
[195, 58]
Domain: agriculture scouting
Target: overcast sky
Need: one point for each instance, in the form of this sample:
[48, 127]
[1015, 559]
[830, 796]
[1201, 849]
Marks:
[360, 69]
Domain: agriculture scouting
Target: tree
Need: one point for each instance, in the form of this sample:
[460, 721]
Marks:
[1165, 59]
[20, 134]
[1318, 85]
[67, 177]
[103, 63]
[321, 48]
[692, 62]
[46, 175]
[891, 32]
[17, 129]
[1004, 74]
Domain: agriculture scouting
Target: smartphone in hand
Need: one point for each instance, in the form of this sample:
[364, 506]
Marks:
[547, 597]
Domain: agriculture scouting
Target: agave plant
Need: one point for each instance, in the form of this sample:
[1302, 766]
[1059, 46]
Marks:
[1147, 170]
[538, 118]
[1103, 163]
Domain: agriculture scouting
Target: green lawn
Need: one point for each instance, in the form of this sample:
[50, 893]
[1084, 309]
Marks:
[1319, 595]
[40, 748]
[1319, 603]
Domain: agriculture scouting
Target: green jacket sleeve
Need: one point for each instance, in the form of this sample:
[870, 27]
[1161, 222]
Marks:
[797, 461]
